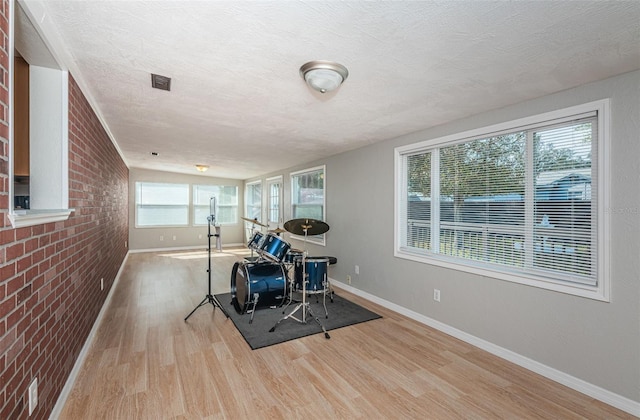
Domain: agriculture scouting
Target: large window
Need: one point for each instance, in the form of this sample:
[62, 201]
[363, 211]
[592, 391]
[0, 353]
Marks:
[308, 196]
[225, 200]
[253, 200]
[159, 204]
[521, 201]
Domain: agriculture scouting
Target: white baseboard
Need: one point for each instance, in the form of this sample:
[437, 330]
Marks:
[594, 391]
[68, 386]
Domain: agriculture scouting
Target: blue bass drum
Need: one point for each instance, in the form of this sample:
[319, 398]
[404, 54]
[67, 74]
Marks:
[263, 281]
[316, 270]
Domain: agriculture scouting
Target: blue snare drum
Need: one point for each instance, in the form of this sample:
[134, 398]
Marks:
[274, 248]
[266, 281]
[255, 242]
[316, 270]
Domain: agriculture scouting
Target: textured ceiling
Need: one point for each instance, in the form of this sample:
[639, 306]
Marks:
[238, 103]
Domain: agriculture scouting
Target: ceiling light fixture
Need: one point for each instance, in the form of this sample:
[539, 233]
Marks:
[324, 76]
[202, 168]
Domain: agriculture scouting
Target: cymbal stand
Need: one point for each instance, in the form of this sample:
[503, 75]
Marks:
[209, 298]
[304, 305]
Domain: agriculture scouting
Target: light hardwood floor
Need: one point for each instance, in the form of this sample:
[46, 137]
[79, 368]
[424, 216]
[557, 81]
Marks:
[148, 363]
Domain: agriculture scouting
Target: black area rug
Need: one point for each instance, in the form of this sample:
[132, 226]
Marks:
[341, 314]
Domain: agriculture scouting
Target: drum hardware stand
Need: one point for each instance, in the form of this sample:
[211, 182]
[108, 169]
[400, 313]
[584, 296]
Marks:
[209, 298]
[304, 305]
[255, 303]
[289, 298]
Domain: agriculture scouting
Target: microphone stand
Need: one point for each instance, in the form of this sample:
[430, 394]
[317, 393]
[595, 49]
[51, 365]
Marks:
[209, 298]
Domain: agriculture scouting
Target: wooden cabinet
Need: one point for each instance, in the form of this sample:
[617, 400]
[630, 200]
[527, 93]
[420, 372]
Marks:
[21, 118]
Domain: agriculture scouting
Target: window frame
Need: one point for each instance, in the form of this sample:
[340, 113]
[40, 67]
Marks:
[601, 291]
[316, 239]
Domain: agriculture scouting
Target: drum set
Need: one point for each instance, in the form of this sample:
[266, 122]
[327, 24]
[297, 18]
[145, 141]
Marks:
[270, 279]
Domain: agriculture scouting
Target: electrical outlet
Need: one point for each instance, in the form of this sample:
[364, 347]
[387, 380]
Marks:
[33, 395]
[174, 237]
[357, 269]
[102, 283]
[349, 279]
[200, 236]
[161, 238]
[436, 295]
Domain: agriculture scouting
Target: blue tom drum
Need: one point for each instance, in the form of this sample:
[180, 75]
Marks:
[316, 271]
[273, 248]
[292, 256]
[255, 242]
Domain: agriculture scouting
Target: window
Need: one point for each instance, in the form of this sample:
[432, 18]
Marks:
[274, 187]
[253, 200]
[159, 204]
[308, 197]
[226, 203]
[521, 201]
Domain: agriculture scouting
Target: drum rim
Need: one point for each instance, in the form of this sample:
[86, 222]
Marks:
[317, 259]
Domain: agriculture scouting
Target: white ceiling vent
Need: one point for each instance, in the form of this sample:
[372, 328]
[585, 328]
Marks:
[160, 82]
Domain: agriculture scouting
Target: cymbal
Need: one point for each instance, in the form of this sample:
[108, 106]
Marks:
[310, 226]
[254, 221]
[277, 230]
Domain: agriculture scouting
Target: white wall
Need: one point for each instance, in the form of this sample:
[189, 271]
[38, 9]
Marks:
[186, 237]
[593, 341]
[48, 138]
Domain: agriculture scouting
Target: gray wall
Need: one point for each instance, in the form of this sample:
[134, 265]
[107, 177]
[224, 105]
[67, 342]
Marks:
[186, 237]
[595, 341]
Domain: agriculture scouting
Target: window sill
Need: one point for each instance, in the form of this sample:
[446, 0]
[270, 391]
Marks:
[24, 218]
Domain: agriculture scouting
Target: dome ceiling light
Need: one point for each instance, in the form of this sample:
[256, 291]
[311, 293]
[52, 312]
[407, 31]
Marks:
[323, 76]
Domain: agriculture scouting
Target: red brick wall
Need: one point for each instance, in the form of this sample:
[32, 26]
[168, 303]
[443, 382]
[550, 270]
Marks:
[50, 274]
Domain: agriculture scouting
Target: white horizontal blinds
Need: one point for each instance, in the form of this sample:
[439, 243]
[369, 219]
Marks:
[226, 211]
[417, 218]
[201, 203]
[227, 204]
[161, 204]
[565, 200]
[521, 202]
[481, 185]
[254, 201]
[307, 198]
